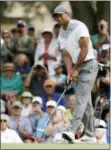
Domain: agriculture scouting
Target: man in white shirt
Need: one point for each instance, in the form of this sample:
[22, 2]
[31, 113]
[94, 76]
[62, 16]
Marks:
[74, 39]
[8, 135]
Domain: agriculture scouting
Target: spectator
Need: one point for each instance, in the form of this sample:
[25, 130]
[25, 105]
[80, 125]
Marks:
[20, 123]
[4, 53]
[43, 122]
[13, 32]
[47, 51]
[37, 113]
[71, 106]
[22, 64]
[26, 98]
[101, 133]
[55, 128]
[31, 31]
[10, 82]
[7, 39]
[35, 80]
[59, 78]
[50, 94]
[25, 44]
[3, 106]
[106, 117]
[8, 135]
[12, 97]
[57, 28]
[101, 37]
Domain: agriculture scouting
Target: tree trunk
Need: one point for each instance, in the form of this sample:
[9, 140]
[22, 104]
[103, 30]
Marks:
[103, 10]
[83, 11]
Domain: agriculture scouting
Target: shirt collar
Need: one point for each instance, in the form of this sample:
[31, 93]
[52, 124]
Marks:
[69, 25]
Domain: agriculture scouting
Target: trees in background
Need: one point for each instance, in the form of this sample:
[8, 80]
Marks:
[87, 11]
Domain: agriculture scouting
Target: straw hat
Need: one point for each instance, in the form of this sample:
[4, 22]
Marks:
[8, 67]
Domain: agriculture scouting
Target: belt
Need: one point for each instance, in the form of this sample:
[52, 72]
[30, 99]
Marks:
[88, 60]
[85, 61]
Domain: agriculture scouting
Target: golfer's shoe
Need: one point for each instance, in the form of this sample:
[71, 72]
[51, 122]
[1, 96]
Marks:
[86, 140]
[69, 136]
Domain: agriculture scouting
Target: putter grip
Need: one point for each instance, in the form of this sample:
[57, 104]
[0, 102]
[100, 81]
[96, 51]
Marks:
[68, 83]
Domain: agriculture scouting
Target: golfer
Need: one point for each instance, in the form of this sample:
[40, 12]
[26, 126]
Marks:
[80, 62]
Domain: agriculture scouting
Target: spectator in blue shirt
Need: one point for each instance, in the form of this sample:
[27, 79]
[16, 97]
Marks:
[49, 94]
[22, 64]
[43, 122]
[37, 113]
[19, 123]
[59, 78]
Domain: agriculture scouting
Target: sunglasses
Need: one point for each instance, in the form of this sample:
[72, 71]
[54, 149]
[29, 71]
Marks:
[16, 107]
[49, 86]
[3, 121]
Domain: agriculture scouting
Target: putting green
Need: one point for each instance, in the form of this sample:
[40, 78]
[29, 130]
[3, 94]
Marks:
[54, 146]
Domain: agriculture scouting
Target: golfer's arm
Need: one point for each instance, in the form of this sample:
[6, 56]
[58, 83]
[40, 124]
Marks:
[68, 61]
[83, 44]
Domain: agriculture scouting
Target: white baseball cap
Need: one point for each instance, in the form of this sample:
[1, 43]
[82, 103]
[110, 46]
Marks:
[61, 108]
[4, 117]
[49, 30]
[51, 103]
[37, 99]
[27, 94]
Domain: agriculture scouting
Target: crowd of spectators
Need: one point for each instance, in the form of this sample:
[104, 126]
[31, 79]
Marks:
[33, 77]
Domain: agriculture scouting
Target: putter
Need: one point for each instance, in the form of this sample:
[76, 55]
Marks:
[62, 95]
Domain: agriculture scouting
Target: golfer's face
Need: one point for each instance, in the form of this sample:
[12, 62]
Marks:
[61, 18]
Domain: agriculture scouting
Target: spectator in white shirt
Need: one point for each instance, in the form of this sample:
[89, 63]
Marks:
[8, 135]
[27, 105]
[47, 51]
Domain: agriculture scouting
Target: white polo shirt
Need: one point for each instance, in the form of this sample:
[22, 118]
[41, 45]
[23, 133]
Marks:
[69, 40]
[10, 136]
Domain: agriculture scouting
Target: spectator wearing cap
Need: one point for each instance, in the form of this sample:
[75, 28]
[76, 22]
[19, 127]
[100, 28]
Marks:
[101, 131]
[10, 82]
[49, 94]
[8, 135]
[24, 43]
[31, 30]
[37, 112]
[26, 99]
[22, 65]
[20, 123]
[60, 122]
[59, 78]
[47, 51]
[35, 80]
[7, 39]
[43, 122]
[4, 53]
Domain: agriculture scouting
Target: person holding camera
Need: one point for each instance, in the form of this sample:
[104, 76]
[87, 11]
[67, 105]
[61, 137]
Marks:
[101, 38]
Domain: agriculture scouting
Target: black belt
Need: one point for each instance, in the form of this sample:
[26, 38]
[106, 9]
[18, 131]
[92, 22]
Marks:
[88, 60]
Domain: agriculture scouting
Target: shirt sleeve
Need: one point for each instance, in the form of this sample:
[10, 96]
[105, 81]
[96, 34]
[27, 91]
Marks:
[82, 31]
[28, 127]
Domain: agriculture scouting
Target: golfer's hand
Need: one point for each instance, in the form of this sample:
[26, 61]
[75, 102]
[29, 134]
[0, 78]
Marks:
[73, 75]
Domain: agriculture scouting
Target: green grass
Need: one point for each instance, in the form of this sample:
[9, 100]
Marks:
[54, 146]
